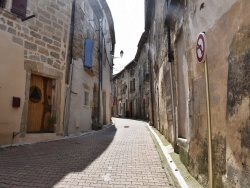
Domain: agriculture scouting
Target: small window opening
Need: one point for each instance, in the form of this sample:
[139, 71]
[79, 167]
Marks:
[3, 3]
[86, 98]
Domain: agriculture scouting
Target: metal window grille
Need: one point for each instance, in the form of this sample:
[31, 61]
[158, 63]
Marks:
[2, 3]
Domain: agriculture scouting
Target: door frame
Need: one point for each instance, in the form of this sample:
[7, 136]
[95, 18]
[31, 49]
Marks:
[43, 70]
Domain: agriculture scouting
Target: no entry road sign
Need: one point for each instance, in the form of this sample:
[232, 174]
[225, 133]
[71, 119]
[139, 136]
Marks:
[201, 48]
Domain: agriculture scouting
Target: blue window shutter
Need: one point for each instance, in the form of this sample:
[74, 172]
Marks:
[88, 51]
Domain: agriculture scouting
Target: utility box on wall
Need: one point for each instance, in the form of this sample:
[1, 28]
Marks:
[16, 101]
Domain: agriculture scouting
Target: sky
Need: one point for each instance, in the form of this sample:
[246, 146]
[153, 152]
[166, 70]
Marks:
[128, 16]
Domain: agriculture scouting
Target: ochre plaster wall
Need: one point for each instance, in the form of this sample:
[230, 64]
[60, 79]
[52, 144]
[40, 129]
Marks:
[12, 84]
[227, 27]
[227, 30]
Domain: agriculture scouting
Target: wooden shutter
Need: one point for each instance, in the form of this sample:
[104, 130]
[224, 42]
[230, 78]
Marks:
[88, 51]
[19, 7]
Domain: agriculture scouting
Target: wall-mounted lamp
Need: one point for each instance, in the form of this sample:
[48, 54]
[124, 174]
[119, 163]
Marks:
[121, 55]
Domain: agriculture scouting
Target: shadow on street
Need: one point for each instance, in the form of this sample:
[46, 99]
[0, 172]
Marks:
[45, 164]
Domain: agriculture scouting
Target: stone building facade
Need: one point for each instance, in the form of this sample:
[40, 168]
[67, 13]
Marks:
[90, 98]
[34, 43]
[140, 68]
[41, 95]
[120, 89]
[178, 97]
[176, 84]
[131, 85]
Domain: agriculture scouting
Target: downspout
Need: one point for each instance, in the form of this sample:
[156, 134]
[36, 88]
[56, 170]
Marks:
[70, 74]
[170, 60]
[128, 103]
[100, 75]
[158, 108]
[151, 81]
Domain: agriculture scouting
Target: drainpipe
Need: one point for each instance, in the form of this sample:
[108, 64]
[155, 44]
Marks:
[128, 105]
[170, 60]
[70, 74]
[151, 81]
[158, 109]
[100, 74]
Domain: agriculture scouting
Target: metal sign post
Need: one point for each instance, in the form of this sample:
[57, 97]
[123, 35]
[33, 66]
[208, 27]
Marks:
[202, 57]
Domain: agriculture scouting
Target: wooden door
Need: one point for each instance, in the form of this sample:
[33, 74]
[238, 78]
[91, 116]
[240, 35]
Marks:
[124, 109]
[39, 111]
[130, 109]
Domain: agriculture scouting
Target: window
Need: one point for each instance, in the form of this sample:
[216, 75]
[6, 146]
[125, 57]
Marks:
[86, 98]
[104, 27]
[115, 91]
[104, 56]
[132, 72]
[82, 7]
[19, 7]
[91, 20]
[88, 51]
[154, 30]
[147, 101]
[120, 107]
[124, 88]
[2, 3]
[132, 85]
[139, 75]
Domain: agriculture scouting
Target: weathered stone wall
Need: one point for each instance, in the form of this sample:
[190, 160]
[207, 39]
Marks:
[84, 117]
[44, 37]
[86, 26]
[160, 70]
[226, 25]
[83, 79]
[142, 86]
[121, 83]
[107, 69]
[227, 55]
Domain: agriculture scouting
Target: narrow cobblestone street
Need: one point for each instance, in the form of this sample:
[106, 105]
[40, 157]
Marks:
[123, 155]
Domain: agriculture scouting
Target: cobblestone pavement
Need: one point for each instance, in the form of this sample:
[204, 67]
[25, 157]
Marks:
[123, 155]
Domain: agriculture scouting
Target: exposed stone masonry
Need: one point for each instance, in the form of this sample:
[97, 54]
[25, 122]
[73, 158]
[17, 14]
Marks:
[43, 37]
[86, 29]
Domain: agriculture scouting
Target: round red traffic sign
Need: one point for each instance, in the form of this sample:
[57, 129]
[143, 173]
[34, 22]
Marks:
[201, 48]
